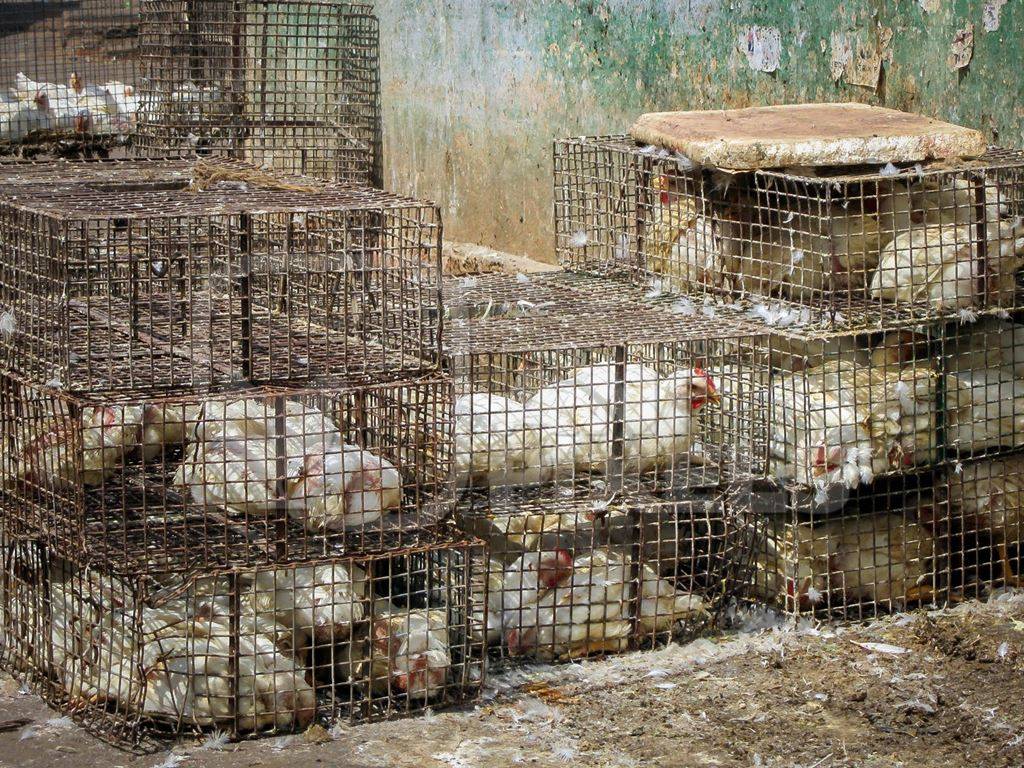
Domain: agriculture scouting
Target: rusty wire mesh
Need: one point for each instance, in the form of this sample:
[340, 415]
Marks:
[625, 396]
[563, 573]
[245, 651]
[73, 73]
[254, 475]
[285, 84]
[846, 408]
[986, 514]
[853, 554]
[851, 248]
[110, 287]
[930, 537]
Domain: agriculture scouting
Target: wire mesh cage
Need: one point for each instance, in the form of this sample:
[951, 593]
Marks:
[855, 554]
[104, 287]
[288, 84]
[986, 514]
[569, 579]
[263, 474]
[846, 408]
[628, 397]
[246, 651]
[70, 70]
[846, 245]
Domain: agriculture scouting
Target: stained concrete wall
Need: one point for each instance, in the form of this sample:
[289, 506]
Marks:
[474, 91]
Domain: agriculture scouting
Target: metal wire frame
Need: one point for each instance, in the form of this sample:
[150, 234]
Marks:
[103, 287]
[848, 246]
[253, 475]
[246, 651]
[549, 294]
[630, 398]
[71, 51]
[564, 575]
[854, 554]
[986, 512]
[846, 408]
[20, 177]
[288, 84]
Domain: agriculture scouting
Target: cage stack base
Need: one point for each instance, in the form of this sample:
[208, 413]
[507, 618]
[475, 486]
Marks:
[246, 652]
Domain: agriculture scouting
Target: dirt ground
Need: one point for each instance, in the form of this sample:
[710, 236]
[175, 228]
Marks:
[928, 689]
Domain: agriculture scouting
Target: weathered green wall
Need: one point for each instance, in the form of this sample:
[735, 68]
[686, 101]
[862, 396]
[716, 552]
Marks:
[474, 91]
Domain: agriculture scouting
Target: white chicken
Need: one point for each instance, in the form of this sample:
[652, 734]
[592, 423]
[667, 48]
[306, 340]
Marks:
[20, 118]
[904, 205]
[319, 603]
[987, 496]
[408, 651]
[166, 425]
[172, 661]
[984, 409]
[328, 485]
[62, 106]
[126, 101]
[657, 415]
[527, 579]
[577, 431]
[99, 105]
[55, 457]
[941, 265]
[846, 421]
[490, 439]
[588, 611]
[691, 244]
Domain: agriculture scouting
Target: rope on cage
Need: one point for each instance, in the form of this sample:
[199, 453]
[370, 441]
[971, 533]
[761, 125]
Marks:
[206, 175]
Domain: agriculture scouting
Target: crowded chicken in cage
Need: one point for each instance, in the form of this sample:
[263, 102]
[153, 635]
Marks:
[881, 548]
[930, 236]
[69, 75]
[110, 287]
[253, 650]
[296, 470]
[562, 575]
[541, 405]
[77, 108]
[845, 408]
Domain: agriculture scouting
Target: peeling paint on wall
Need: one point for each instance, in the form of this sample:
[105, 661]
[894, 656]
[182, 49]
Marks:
[762, 46]
[990, 14]
[474, 91]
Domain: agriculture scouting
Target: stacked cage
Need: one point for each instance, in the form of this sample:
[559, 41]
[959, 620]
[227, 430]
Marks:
[291, 85]
[592, 454]
[888, 295]
[227, 451]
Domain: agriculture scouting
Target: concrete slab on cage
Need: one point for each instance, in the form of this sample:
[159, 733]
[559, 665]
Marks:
[806, 135]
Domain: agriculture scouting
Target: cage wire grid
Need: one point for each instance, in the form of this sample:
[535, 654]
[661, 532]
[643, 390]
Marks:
[249, 476]
[134, 286]
[932, 537]
[570, 578]
[844, 409]
[603, 525]
[625, 395]
[74, 70]
[293, 86]
[244, 651]
[850, 248]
